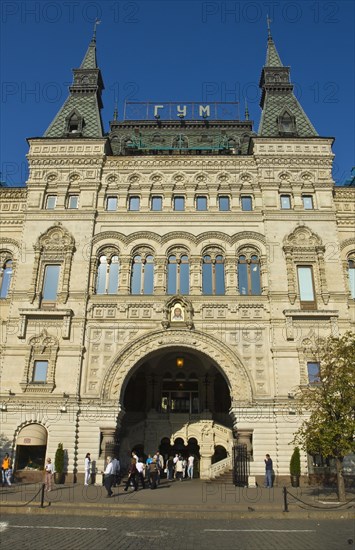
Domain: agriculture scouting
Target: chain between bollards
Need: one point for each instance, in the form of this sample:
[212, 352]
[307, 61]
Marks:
[285, 499]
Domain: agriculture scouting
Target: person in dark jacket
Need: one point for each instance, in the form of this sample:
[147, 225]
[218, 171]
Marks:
[268, 471]
[132, 475]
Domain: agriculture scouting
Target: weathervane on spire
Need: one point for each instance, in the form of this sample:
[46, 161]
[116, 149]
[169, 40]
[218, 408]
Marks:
[97, 22]
[268, 21]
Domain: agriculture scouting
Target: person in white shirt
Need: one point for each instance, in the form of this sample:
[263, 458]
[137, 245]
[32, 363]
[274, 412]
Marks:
[190, 466]
[140, 470]
[109, 474]
[49, 475]
[179, 468]
[87, 468]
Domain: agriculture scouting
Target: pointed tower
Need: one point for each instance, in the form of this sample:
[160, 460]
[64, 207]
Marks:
[282, 114]
[80, 115]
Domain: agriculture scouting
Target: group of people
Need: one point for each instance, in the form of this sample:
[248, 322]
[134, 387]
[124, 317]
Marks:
[148, 472]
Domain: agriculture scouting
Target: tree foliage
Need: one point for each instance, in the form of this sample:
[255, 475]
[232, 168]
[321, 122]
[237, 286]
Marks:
[330, 427]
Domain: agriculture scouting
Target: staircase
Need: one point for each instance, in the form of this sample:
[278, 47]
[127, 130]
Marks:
[225, 477]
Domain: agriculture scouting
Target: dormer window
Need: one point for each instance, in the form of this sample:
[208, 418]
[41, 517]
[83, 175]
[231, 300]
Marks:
[74, 124]
[287, 124]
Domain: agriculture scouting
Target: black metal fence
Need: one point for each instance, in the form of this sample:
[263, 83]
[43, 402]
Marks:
[240, 466]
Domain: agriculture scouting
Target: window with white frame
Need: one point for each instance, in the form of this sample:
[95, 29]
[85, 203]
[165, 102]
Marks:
[51, 202]
[50, 283]
[107, 275]
[285, 202]
[73, 201]
[40, 370]
[111, 204]
[142, 274]
[306, 286]
[307, 202]
[133, 204]
[5, 278]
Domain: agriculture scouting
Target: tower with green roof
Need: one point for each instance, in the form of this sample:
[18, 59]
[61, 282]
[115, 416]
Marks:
[80, 116]
[282, 114]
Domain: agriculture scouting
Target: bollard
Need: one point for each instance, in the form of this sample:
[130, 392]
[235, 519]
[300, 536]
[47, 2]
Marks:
[285, 499]
[42, 495]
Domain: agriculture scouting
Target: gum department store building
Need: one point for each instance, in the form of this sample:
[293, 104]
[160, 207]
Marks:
[162, 284]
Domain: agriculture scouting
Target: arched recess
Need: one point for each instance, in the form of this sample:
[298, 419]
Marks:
[130, 358]
[31, 446]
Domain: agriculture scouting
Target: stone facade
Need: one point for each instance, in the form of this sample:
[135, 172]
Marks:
[111, 377]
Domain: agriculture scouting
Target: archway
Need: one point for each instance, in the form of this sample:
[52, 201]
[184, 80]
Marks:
[31, 446]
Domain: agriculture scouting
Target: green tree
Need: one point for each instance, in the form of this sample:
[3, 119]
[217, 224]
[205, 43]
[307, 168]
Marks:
[329, 404]
[295, 463]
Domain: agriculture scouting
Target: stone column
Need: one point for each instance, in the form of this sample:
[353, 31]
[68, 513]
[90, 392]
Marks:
[160, 275]
[124, 284]
[230, 275]
[195, 275]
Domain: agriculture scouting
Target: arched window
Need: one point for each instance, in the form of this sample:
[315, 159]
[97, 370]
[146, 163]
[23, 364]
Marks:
[178, 277]
[249, 275]
[213, 275]
[107, 275]
[351, 273]
[142, 275]
[5, 278]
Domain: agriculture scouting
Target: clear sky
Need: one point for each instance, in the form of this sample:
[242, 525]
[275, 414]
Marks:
[174, 51]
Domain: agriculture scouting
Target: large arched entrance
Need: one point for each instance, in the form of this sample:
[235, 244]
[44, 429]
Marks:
[176, 384]
[174, 401]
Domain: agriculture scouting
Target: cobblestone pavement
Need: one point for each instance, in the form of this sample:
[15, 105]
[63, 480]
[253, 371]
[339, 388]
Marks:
[24, 532]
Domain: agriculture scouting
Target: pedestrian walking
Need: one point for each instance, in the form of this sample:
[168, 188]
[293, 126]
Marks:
[116, 471]
[179, 468]
[5, 467]
[153, 473]
[190, 466]
[160, 465]
[108, 476]
[170, 468]
[48, 479]
[87, 469]
[132, 476]
[140, 473]
[268, 471]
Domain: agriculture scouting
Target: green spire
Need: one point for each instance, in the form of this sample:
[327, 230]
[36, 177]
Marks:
[272, 57]
[80, 115]
[89, 61]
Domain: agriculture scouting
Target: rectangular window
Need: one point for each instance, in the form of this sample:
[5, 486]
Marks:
[51, 202]
[313, 372]
[223, 203]
[73, 201]
[201, 203]
[306, 287]
[111, 204]
[285, 201]
[247, 204]
[156, 204]
[179, 204]
[133, 203]
[307, 202]
[40, 372]
[50, 283]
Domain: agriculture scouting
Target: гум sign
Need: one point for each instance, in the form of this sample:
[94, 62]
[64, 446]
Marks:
[136, 110]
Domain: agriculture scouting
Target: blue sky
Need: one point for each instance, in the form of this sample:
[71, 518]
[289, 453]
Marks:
[174, 51]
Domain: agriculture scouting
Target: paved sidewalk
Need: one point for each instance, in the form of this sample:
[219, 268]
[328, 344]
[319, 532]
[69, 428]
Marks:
[190, 499]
